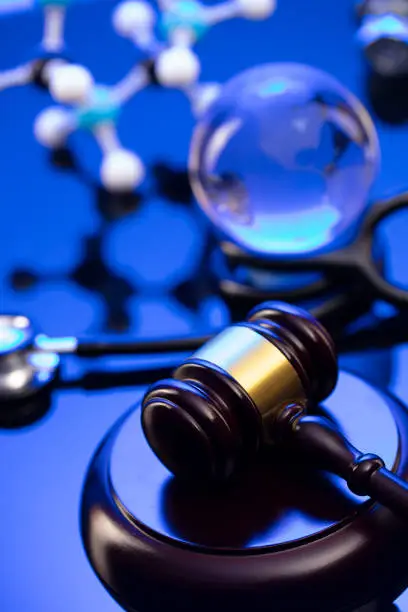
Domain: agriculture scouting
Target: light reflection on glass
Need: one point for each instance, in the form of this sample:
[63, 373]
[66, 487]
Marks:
[283, 161]
[10, 338]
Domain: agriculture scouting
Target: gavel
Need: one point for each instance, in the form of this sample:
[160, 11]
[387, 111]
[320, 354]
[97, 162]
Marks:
[256, 384]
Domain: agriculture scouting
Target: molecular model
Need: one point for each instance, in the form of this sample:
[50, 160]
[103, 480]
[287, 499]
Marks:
[169, 61]
[52, 45]
[181, 23]
[94, 108]
[79, 103]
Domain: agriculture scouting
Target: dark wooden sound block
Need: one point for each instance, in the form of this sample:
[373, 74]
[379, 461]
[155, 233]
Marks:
[280, 537]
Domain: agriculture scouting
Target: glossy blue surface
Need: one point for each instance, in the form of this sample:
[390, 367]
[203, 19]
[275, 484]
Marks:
[45, 215]
[146, 491]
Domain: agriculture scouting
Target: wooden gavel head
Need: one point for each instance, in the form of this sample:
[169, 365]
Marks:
[224, 402]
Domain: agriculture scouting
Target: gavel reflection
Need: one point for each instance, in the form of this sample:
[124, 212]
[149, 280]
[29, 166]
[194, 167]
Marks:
[251, 387]
[255, 506]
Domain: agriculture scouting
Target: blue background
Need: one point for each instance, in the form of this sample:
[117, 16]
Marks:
[44, 216]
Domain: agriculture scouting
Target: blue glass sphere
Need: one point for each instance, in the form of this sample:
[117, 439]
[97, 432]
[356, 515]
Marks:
[283, 161]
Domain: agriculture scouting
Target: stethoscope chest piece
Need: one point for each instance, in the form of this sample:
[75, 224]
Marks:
[279, 534]
[26, 374]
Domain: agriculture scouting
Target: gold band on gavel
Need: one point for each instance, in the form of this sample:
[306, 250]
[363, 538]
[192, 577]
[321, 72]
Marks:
[257, 365]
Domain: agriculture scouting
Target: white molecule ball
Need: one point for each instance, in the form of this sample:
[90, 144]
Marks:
[177, 67]
[52, 127]
[71, 84]
[256, 9]
[121, 171]
[130, 17]
[50, 66]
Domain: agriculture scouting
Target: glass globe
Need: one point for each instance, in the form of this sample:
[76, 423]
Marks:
[283, 160]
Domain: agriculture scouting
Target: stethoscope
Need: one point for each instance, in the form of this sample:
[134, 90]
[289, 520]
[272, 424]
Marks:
[353, 264]
[382, 35]
[30, 362]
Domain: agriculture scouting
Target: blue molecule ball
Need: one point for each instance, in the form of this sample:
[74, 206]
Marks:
[61, 3]
[283, 161]
[184, 14]
[101, 108]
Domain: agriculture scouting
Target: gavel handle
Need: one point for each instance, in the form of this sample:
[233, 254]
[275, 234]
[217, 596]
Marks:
[321, 442]
[390, 491]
